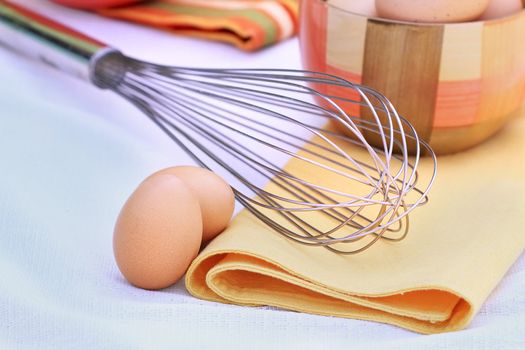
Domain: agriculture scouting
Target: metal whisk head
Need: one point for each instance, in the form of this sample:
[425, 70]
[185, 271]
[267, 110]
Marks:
[350, 180]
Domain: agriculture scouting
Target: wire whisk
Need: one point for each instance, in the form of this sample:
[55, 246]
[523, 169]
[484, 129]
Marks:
[349, 181]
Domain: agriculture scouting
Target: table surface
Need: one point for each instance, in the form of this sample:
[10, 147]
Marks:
[71, 154]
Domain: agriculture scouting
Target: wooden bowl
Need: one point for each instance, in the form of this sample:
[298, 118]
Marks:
[457, 83]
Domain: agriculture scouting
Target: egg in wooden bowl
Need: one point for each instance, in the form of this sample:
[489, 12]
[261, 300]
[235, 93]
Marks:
[457, 83]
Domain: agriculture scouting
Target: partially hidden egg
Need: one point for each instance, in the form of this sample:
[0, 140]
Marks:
[431, 11]
[158, 232]
[502, 8]
[216, 198]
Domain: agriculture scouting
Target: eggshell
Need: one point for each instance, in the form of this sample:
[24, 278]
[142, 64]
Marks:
[215, 195]
[432, 11]
[360, 7]
[94, 4]
[158, 232]
[502, 8]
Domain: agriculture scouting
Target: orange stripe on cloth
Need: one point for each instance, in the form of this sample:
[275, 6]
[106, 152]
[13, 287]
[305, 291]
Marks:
[278, 28]
[250, 25]
[292, 7]
[457, 103]
[234, 30]
[276, 11]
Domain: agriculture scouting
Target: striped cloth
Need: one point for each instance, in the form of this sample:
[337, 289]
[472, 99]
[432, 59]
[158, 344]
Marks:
[248, 24]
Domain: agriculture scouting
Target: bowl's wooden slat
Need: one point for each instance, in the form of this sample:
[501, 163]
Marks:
[402, 62]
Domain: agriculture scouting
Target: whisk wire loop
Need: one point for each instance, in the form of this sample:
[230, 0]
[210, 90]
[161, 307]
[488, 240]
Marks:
[352, 177]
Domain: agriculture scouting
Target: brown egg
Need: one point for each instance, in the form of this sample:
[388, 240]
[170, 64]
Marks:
[432, 11]
[502, 8]
[158, 232]
[215, 196]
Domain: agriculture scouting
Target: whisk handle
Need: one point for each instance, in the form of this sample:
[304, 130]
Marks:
[45, 40]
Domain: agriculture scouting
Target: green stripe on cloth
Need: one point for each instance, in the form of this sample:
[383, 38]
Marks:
[253, 15]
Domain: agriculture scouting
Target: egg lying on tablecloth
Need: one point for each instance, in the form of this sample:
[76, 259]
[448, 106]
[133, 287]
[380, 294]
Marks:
[215, 196]
[164, 222]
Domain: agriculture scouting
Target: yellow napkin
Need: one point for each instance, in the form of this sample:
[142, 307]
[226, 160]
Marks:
[459, 247]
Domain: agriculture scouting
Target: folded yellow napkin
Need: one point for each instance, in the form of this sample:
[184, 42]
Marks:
[248, 24]
[459, 247]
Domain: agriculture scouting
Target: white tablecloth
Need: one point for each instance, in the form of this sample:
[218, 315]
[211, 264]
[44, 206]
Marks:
[69, 157]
